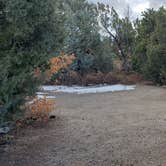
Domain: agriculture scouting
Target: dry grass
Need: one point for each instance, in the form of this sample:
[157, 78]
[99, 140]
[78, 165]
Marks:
[40, 109]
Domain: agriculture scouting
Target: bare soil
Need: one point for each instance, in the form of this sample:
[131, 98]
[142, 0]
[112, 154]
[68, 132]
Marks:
[110, 129]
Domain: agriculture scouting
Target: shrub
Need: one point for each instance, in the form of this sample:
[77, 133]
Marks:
[111, 78]
[70, 77]
[123, 78]
[40, 109]
[30, 31]
[58, 64]
[93, 78]
[150, 52]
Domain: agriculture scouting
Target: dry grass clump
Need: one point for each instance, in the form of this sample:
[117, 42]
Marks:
[40, 109]
[37, 113]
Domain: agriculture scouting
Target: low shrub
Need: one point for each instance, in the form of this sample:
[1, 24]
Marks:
[93, 78]
[74, 78]
[40, 109]
[111, 78]
[123, 78]
[59, 63]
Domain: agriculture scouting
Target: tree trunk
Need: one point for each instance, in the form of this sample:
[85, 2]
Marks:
[125, 65]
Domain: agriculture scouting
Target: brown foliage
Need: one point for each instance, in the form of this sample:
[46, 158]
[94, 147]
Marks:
[72, 78]
[40, 109]
[111, 78]
[123, 78]
[100, 78]
[56, 64]
[59, 63]
[93, 78]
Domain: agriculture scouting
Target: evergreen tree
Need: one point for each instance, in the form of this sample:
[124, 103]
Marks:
[120, 31]
[84, 39]
[30, 32]
[150, 56]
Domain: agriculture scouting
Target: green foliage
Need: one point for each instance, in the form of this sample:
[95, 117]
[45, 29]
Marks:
[150, 52]
[104, 60]
[30, 31]
[120, 31]
[84, 39]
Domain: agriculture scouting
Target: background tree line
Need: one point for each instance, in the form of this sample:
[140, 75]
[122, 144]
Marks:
[33, 31]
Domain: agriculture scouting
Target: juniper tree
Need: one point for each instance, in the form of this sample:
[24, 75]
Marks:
[30, 32]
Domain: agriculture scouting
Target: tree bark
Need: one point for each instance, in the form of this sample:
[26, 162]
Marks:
[122, 55]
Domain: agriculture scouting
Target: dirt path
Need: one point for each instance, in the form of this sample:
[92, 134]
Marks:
[109, 129]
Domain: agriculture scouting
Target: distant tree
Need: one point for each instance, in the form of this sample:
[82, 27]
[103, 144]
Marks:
[150, 55]
[104, 59]
[144, 28]
[82, 32]
[83, 37]
[120, 31]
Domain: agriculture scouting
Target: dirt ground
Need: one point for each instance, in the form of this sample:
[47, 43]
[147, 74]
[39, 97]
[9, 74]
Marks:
[109, 129]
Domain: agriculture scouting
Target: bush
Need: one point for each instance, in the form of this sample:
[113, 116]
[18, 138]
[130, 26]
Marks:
[111, 78]
[40, 109]
[150, 51]
[155, 68]
[93, 78]
[30, 31]
[123, 78]
[74, 78]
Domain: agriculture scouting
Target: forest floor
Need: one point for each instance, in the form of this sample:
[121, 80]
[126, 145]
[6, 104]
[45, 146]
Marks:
[108, 129]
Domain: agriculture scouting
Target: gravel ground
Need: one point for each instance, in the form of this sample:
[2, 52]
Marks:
[109, 129]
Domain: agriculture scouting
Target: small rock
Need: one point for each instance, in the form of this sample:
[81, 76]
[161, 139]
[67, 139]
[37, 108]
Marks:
[52, 117]
[5, 139]
[4, 130]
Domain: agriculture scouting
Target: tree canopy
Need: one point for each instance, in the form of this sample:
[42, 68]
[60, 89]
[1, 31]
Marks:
[150, 50]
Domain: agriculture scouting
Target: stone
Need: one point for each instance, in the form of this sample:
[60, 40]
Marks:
[4, 130]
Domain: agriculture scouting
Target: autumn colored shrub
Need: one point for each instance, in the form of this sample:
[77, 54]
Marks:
[58, 63]
[40, 109]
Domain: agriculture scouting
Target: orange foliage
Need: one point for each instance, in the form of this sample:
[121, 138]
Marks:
[41, 108]
[56, 64]
[59, 63]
